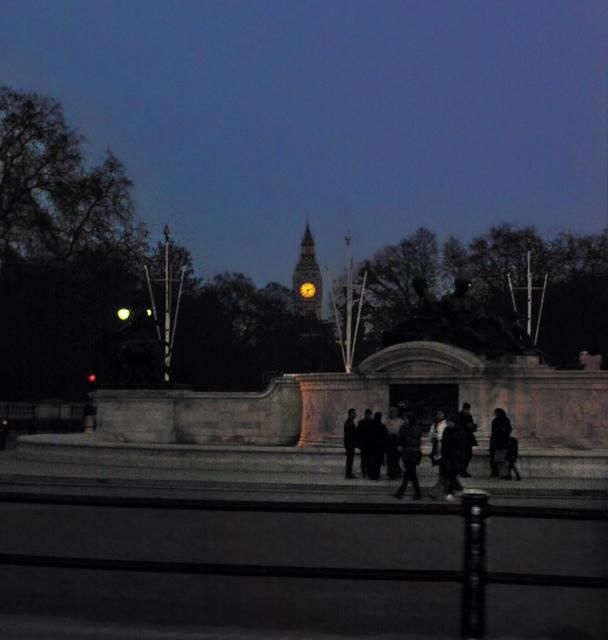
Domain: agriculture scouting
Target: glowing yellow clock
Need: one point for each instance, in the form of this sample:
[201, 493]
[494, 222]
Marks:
[308, 290]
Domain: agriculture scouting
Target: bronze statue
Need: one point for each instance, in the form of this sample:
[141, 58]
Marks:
[460, 320]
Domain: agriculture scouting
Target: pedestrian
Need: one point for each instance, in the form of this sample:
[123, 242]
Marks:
[364, 435]
[499, 439]
[393, 427]
[435, 436]
[512, 454]
[408, 443]
[451, 460]
[376, 446]
[350, 442]
[467, 428]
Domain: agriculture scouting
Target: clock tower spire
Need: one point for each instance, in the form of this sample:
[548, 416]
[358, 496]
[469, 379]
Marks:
[307, 281]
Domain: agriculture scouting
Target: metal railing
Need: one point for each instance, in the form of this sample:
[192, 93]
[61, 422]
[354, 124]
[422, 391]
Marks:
[474, 577]
[43, 411]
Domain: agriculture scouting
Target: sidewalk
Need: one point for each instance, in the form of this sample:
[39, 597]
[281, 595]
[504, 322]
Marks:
[24, 475]
[31, 628]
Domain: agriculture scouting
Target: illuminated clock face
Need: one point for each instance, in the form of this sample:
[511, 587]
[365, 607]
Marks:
[308, 290]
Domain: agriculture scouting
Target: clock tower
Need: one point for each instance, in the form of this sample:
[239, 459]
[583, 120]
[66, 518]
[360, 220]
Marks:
[307, 281]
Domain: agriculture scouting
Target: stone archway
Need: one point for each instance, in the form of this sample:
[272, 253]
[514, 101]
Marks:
[326, 397]
[422, 359]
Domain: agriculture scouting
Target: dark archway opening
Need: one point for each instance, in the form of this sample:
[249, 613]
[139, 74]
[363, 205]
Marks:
[426, 399]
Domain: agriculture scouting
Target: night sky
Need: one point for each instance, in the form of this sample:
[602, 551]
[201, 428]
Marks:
[238, 121]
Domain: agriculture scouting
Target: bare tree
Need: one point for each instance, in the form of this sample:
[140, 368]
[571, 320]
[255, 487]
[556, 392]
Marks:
[52, 205]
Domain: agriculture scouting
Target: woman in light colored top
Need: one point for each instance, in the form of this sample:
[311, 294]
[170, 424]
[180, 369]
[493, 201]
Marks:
[393, 426]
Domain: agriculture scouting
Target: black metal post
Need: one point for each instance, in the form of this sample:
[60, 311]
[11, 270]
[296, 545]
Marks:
[474, 580]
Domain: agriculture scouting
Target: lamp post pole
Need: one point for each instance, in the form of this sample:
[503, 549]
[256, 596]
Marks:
[167, 340]
[167, 336]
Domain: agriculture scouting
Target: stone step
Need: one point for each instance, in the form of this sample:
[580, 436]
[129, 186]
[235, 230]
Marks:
[86, 449]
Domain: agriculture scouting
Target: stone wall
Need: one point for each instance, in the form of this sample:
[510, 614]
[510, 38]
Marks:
[326, 398]
[177, 416]
[546, 407]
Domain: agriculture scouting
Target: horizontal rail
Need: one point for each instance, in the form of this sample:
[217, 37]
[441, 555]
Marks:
[269, 506]
[474, 510]
[280, 571]
[276, 506]
[536, 580]
[546, 513]
[241, 570]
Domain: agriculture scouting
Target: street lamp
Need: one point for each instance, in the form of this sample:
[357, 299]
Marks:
[123, 314]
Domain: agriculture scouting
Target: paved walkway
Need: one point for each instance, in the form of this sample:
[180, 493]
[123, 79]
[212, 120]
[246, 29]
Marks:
[26, 628]
[23, 475]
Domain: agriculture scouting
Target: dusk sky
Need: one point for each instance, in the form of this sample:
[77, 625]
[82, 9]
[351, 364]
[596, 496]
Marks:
[240, 121]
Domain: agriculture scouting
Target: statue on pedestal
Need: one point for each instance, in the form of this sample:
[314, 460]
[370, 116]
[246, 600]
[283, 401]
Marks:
[458, 319]
[134, 354]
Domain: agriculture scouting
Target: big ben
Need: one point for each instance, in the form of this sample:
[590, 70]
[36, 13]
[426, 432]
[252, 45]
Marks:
[307, 281]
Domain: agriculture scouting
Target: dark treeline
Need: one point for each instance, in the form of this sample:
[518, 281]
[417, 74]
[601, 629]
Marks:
[72, 252]
[575, 310]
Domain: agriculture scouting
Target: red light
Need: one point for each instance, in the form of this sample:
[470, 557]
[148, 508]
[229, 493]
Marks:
[92, 378]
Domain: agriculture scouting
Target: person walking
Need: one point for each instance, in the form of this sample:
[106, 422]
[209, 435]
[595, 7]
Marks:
[512, 455]
[408, 444]
[376, 446]
[467, 428]
[350, 442]
[393, 427]
[499, 440]
[364, 435]
[451, 460]
[435, 437]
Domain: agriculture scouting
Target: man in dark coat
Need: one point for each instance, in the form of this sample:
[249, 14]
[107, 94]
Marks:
[408, 443]
[350, 442]
[499, 440]
[376, 446]
[451, 460]
[467, 428]
[365, 435]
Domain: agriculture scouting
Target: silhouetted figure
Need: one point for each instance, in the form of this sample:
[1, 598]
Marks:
[376, 446]
[452, 455]
[393, 427]
[499, 440]
[134, 351]
[466, 428]
[421, 323]
[408, 443]
[365, 436]
[460, 320]
[350, 442]
[523, 341]
[436, 439]
[464, 318]
[512, 454]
